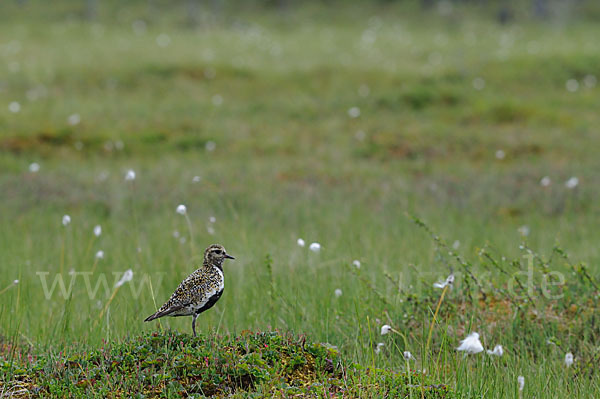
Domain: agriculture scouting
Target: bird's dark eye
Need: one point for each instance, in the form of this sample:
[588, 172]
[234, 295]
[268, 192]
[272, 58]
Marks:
[218, 252]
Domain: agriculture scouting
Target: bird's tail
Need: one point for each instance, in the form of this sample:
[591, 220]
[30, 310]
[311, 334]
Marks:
[163, 312]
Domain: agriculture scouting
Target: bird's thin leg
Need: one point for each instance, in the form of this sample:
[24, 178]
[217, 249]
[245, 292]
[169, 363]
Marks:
[194, 324]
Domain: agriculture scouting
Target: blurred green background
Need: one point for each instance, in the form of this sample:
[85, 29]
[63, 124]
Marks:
[329, 121]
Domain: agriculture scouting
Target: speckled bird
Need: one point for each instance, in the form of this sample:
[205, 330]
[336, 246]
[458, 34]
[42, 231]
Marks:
[200, 290]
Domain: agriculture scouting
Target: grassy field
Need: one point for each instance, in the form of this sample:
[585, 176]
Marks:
[413, 142]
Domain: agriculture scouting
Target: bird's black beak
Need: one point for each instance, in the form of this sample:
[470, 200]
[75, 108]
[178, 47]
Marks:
[227, 256]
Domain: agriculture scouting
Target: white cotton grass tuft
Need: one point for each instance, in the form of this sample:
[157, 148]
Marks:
[15, 282]
[545, 181]
[498, 351]
[354, 112]
[217, 100]
[100, 254]
[356, 263]
[66, 220]
[442, 284]
[408, 356]
[524, 230]
[74, 119]
[471, 344]
[478, 83]
[521, 382]
[590, 81]
[181, 209]
[130, 175]
[97, 230]
[379, 348]
[456, 245]
[338, 292]
[315, 247]
[163, 40]
[572, 183]
[385, 329]
[127, 276]
[14, 107]
[500, 154]
[210, 146]
[212, 219]
[196, 179]
[34, 167]
[300, 242]
[572, 85]
[569, 359]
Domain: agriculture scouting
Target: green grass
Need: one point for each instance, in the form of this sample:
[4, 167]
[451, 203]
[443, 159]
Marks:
[175, 365]
[290, 162]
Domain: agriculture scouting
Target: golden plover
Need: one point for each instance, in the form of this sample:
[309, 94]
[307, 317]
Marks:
[200, 290]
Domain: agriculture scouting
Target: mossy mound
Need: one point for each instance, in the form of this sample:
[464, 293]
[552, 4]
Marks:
[265, 364]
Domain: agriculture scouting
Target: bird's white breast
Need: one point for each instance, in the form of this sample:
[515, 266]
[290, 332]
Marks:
[221, 279]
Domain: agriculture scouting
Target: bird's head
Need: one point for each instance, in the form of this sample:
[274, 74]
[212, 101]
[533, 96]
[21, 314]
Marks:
[215, 255]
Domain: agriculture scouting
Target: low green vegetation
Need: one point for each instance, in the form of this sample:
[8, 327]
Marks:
[176, 365]
[410, 144]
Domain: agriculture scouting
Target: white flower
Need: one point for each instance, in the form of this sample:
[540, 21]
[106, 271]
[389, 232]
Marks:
[478, 83]
[34, 167]
[521, 381]
[139, 27]
[196, 179]
[217, 100]
[66, 219]
[524, 230]
[301, 242]
[212, 219]
[354, 112]
[568, 358]
[408, 356]
[100, 254]
[163, 40]
[15, 282]
[572, 85]
[471, 344]
[449, 281]
[356, 263]
[385, 329]
[500, 154]
[210, 230]
[572, 182]
[379, 347]
[181, 209]
[210, 146]
[74, 119]
[315, 247]
[127, 276]
[590, 81]
[130, 175]
[456, 244]
[338, 293]
[498, 351]
[545, 182]
[97, 230]
[14, 107]
[363, 90]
